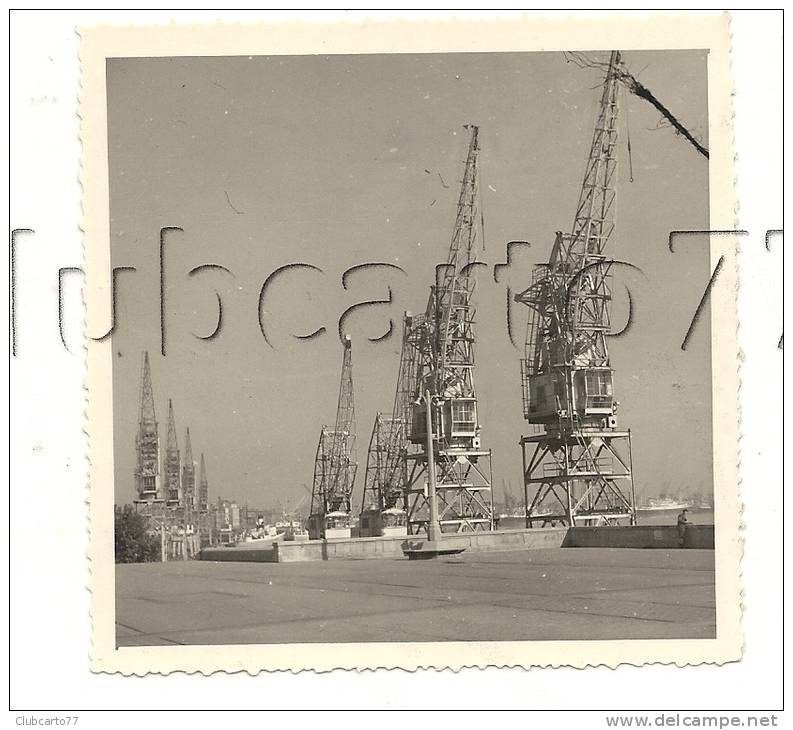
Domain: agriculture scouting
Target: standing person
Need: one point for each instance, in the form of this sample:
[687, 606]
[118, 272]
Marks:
[682, 525]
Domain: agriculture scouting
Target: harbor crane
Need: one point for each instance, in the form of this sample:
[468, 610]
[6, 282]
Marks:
[438, 374]
[335, 464]
[577, 466]
[437, 357]
[383, 509]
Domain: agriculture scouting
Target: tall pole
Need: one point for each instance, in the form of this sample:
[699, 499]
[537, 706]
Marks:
[634, 514]
[163, 542]
[525, 484]
[433, 528]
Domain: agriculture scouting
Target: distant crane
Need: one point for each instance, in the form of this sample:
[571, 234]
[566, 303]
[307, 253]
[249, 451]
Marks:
[335, 464]
[577, 466]
[293, 510]
[381, 508]
[438, 358]
[383, 505]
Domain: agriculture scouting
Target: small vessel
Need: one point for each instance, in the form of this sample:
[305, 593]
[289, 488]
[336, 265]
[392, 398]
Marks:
[421, 549]
[281, 525]
[666, 503]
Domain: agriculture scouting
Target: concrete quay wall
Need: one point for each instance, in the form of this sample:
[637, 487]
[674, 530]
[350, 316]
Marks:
[640, 536]
[240, 554]
[367, 548]
[363, 548]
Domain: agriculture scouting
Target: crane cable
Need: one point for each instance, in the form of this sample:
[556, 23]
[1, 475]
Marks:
[628, 129]
[480, 197]
[482, 220]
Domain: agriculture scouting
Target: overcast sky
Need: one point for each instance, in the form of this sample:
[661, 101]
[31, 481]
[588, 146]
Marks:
[336, 161]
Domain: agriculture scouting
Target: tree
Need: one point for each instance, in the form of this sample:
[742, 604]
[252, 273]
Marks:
[133, 543]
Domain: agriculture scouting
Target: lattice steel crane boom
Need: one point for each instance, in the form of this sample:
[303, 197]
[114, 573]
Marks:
[335, 464]
[442, 343]
[578, 463]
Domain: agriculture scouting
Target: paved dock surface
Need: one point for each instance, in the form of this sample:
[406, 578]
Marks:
[551, 594]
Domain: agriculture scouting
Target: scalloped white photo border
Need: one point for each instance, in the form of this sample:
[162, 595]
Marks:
[602, 33]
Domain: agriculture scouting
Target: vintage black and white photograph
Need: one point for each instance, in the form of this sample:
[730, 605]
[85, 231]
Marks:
[415, 349]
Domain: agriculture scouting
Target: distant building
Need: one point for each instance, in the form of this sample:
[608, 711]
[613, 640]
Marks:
[203, 487]
[147, 442]
[188, 475]
[172, 463]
